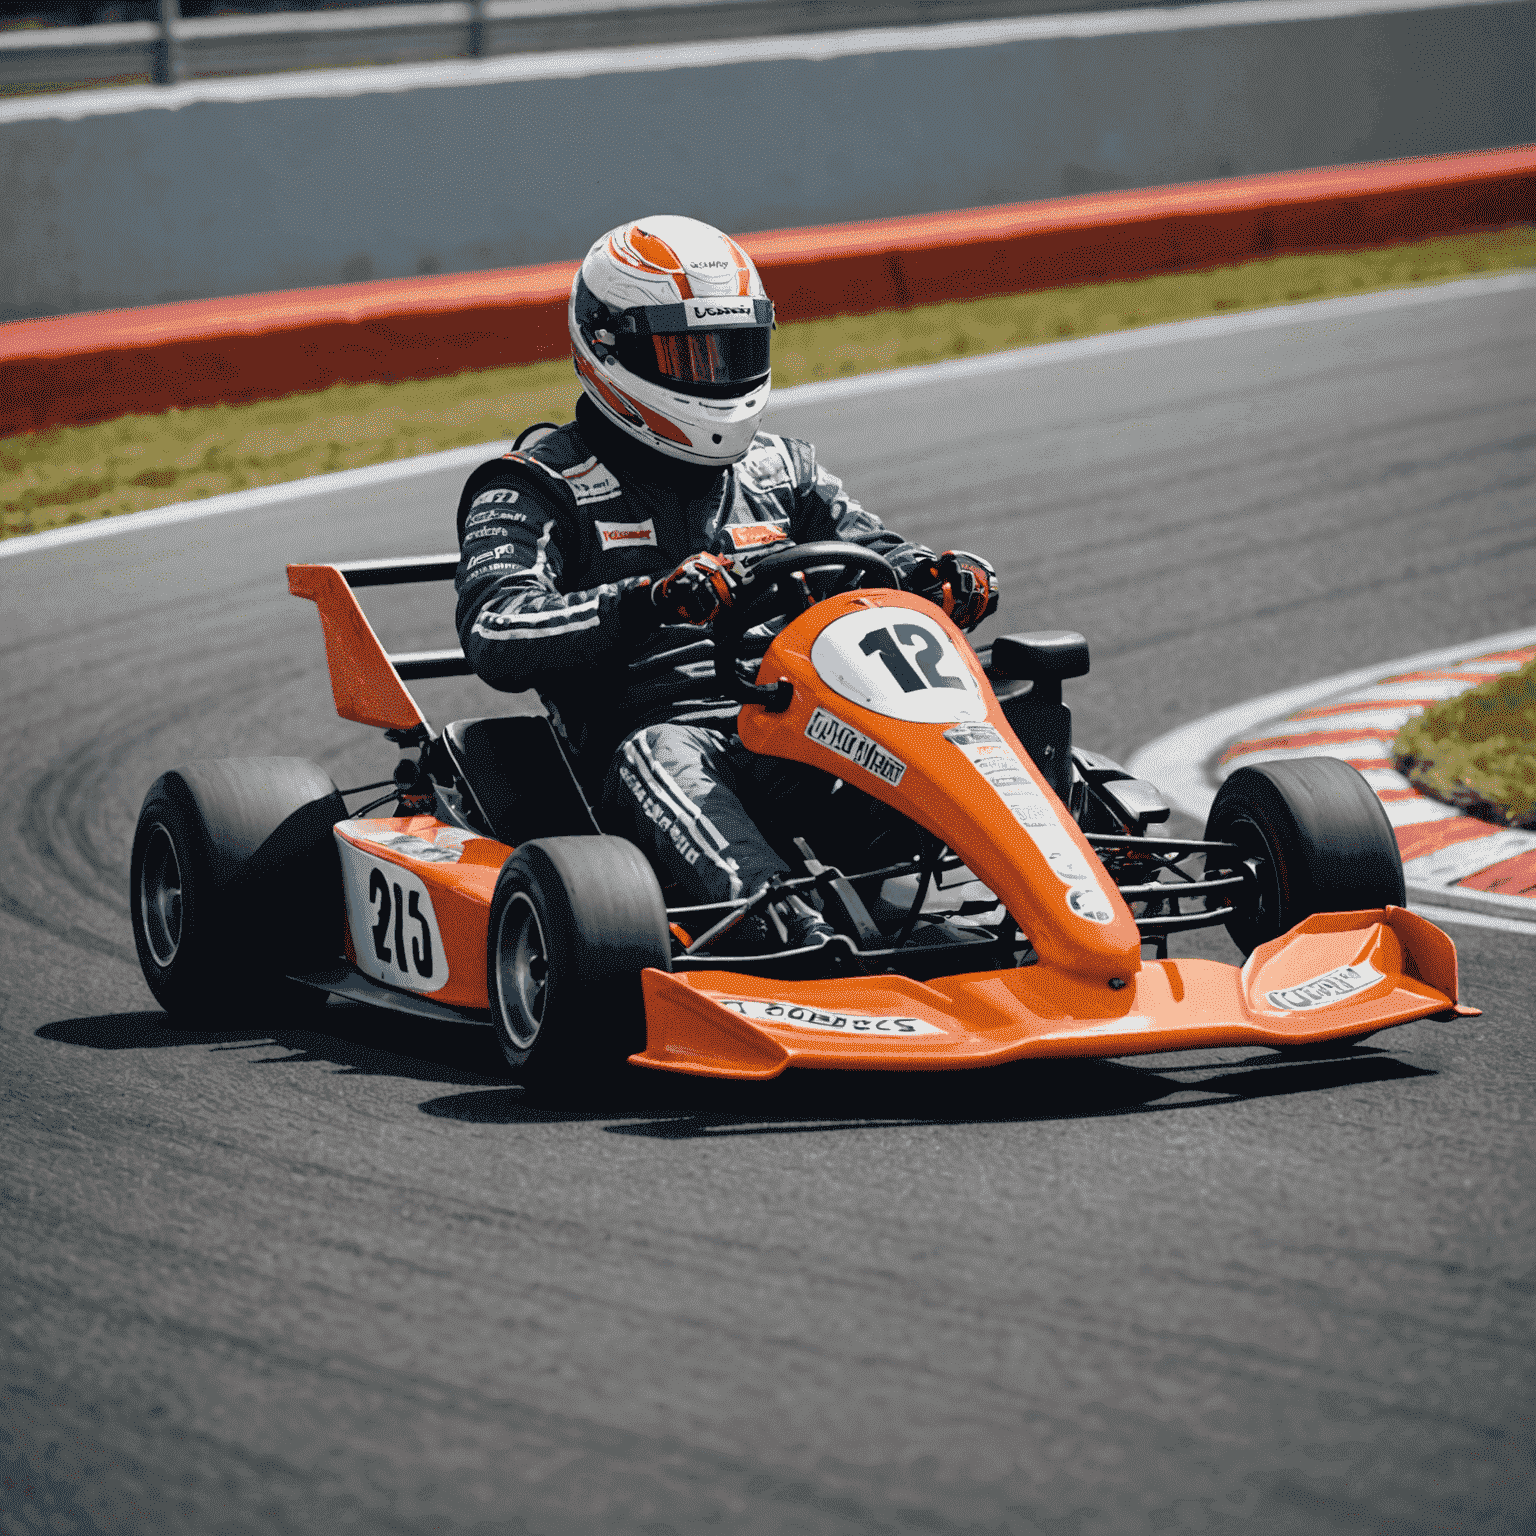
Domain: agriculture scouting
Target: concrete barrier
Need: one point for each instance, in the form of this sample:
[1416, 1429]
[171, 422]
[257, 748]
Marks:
[214, 188]
[92, 367]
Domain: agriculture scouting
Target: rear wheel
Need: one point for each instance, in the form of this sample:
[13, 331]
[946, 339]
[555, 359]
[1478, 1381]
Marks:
[574, 921]
[1316, 838]
[234, 884]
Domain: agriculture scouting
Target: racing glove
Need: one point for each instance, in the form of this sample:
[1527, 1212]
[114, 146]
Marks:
[964, 585]
[696, 591]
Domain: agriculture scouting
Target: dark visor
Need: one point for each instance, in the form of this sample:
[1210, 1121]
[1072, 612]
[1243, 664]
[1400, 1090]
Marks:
[728, 361]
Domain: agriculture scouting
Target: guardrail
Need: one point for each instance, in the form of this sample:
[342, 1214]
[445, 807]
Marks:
[93, 367]
[175, 48]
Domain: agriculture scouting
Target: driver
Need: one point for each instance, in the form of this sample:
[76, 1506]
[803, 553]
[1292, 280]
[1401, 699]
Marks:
[594, 557]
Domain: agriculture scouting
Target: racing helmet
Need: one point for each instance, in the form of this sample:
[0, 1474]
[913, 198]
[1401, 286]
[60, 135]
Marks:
[670, 331]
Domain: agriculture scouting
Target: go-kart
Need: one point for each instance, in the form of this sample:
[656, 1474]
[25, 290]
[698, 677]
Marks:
[992, 892]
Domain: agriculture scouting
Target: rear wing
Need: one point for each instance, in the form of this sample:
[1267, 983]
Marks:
[368, 683]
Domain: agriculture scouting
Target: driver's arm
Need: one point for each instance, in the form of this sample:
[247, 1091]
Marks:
[517, 625]
[824, 510]
[965, 586]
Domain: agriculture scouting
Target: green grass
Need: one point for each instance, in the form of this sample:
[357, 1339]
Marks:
[1478, 750]
[75, 474]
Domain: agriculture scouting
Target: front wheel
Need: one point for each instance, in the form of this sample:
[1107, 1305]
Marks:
[574, 921]
[1316, 838]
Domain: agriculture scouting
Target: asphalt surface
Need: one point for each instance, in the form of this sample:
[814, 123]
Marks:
[305, 1281]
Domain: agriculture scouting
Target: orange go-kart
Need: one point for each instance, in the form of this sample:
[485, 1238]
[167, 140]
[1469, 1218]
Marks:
[994, 891]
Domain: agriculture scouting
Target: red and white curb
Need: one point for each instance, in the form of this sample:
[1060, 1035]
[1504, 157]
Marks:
[1472, 871]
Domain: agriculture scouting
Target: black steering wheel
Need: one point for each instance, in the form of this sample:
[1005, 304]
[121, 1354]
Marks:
[782, 584]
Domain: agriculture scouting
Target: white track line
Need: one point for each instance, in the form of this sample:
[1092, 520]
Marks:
[1320, 311]
[1443, 915]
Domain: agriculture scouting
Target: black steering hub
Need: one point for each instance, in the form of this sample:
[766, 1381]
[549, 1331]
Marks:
[782, 584]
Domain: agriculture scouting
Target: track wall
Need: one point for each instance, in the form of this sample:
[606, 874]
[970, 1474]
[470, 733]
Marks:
[196, 197]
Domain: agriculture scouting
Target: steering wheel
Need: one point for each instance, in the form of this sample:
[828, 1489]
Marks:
[783, 584]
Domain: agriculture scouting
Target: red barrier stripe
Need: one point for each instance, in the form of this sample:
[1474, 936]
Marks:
[1297, 739]
[1359, 706]
[82, 368]
[1509, 877]
[1431, 836]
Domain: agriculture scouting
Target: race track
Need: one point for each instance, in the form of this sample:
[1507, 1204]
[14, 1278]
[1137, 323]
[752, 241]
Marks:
[350, 1281]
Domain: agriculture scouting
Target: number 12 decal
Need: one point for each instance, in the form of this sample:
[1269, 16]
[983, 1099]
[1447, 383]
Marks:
[918, 637]
[388, 900]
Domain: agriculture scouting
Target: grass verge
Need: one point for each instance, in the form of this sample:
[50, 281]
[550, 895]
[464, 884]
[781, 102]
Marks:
[76, 474]
[1478, 750]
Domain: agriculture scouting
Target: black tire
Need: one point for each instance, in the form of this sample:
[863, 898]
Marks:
[574, 921]
[1318, 837]
[235, 883]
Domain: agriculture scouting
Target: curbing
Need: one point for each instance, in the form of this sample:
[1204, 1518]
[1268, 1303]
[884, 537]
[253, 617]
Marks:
[1345, 716]
[76, 369]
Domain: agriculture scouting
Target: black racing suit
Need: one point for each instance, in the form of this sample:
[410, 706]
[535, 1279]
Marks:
[549, 538]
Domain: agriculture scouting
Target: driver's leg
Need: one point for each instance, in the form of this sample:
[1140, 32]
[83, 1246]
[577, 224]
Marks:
[671, 789]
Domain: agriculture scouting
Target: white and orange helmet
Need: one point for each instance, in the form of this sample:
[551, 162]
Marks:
[670, 329]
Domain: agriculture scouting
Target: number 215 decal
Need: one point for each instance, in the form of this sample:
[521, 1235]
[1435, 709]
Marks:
[388, 900]
[395, 933]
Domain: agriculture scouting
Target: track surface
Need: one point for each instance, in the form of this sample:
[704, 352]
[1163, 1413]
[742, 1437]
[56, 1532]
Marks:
[350, 1280]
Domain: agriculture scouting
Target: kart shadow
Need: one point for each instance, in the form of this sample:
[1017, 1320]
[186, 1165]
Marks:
[357, 1041]
[652, 1105]
[360, 1041]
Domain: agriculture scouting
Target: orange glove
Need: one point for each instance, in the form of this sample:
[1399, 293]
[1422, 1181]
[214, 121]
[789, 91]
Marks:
[964, 585]
[696, 591]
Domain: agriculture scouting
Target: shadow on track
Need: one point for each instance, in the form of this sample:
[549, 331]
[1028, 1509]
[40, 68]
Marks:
[361, 1041]
[679, 1109]
[364, 1042]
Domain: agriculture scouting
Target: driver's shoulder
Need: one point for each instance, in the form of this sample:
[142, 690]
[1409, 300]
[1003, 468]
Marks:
[774, 460]
[558, 473]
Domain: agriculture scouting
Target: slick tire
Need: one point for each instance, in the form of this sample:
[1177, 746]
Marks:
[1318, 840]
[574, 921]
[234, 884]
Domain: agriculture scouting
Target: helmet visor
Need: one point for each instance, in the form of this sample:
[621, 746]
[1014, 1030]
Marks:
[726, 362]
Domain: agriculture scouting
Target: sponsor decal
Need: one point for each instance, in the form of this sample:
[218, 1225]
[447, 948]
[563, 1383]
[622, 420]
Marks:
[751, 535]
[491, 554]
[803, 1016]
[714, 312]
[1331, 987]
[446, 845]
[590, 482]
[983, 737]
[389, 911]
[1089, 902]
[493, 531]
[838, 736]
[707, 266]
[1000, 766]
[617, 535]
[491, 498]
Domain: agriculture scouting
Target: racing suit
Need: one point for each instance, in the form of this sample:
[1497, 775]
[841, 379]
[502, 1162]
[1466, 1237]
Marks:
[553, 537]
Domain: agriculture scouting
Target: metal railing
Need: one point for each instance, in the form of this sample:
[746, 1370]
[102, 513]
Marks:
[176, 47]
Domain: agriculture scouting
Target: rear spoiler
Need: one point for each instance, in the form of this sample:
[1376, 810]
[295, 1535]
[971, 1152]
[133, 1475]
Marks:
[368, 683]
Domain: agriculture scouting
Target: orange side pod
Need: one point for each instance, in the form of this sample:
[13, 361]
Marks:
[363, 683]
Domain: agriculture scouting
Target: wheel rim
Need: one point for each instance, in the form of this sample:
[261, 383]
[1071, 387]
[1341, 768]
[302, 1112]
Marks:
[1249, 836]
[522, 972]
[160, 904]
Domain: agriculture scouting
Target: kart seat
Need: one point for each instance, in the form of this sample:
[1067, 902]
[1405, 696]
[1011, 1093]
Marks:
[519, 777]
